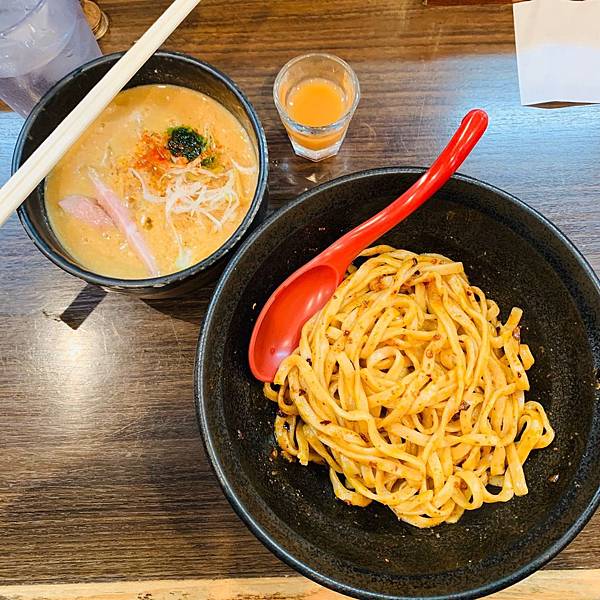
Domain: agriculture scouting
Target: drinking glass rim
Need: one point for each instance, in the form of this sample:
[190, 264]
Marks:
[322, 128]
[14, 26]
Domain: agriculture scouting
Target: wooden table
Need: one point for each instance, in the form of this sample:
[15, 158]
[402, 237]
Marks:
[103, 477]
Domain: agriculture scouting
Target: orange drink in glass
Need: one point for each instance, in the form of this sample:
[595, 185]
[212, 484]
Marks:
[316, 96]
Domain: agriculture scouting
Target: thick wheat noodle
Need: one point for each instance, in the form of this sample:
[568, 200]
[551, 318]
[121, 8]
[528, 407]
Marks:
[411, 391]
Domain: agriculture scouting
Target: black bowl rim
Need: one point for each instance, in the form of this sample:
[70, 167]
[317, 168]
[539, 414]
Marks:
[528, 568]
[173, 278]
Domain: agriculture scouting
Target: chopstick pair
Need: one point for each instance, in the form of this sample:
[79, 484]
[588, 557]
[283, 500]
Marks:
[41, 162]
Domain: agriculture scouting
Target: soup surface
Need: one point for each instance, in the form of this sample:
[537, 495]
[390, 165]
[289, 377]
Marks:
[159, 182]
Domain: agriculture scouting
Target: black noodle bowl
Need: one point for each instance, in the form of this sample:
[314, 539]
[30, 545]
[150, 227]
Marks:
[519, 259]
[162, 68]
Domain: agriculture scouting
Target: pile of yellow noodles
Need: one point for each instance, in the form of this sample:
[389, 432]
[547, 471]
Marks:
[412, 391]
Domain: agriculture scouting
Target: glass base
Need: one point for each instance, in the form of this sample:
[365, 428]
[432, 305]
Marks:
[316, 155]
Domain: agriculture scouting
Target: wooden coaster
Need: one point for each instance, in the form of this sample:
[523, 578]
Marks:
[96, 18]
[103, 26]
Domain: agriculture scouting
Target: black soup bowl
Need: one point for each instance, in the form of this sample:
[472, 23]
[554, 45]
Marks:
[162, 68]
[519, 259]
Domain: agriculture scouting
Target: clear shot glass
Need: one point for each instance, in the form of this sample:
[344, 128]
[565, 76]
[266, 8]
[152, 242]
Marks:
[316, 96]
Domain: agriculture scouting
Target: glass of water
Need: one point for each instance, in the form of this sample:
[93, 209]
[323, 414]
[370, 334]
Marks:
[40, 42]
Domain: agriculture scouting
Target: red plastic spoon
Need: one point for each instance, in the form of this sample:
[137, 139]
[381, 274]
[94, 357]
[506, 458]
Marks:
[278, 327]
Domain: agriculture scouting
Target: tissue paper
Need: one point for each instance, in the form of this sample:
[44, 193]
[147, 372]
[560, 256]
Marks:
[558, 50]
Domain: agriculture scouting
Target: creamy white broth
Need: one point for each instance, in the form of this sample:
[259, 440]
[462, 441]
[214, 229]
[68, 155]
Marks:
[178, 228]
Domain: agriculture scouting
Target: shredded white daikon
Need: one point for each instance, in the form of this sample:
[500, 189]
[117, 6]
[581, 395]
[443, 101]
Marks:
[197, 191]
[146, 194]
[107, 157]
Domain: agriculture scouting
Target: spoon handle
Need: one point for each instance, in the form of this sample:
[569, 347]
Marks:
[341, 253]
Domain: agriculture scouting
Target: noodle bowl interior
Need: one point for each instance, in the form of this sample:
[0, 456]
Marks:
[159, 182]
[410, 389]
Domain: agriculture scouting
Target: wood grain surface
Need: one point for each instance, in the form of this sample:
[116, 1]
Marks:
[102, 471]
[554, 585]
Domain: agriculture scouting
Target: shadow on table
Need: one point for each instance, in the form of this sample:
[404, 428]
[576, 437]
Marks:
[553, 105]
[82, 306]
[191, 308]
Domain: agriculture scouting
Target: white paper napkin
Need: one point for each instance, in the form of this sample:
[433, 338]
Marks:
[558, 50]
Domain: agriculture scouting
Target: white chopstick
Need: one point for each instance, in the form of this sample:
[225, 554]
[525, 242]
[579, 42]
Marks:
[40, 163]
